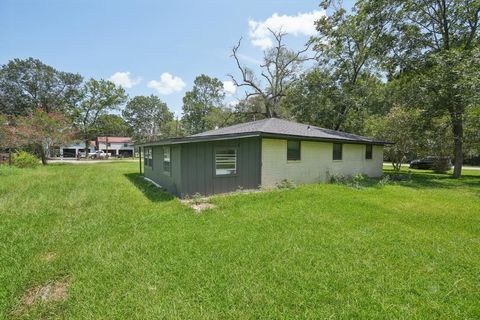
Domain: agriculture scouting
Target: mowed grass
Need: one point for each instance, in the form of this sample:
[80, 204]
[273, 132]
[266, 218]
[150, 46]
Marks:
[130, 251]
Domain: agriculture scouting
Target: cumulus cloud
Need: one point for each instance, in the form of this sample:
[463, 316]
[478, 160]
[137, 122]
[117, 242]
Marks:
[300, 24]
[229, 88]
[123, 79]
[168, 84]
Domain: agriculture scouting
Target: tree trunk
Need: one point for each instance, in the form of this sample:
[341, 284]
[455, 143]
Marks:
[43, 156]
[457, 128]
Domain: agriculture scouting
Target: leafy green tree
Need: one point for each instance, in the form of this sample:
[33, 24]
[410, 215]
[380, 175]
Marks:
[148, 118]
[29, 84]
[348, 47]
[319, 99]
[203, 107]
[112, 125]
[401, 127]
[438, 41]
[98, 98]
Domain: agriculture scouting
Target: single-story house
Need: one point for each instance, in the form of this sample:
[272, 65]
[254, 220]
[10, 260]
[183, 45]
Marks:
[258, 153]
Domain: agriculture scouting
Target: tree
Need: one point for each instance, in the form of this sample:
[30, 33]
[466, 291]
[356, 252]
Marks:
[148, 118]
[437, 40]
[400, 127]
[279, 69]
[203, 107]
[29, 84]
[98, 97]
[319, 99]
[347, 46]
[112, 125]
[42, 130]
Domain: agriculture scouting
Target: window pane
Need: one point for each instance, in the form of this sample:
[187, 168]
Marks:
[368, 151]
[337, 151]
[166, 160]
[225, 161]
[293, 150]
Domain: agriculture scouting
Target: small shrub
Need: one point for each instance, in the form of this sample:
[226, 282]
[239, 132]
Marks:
[23, 159]
[384, 181]
[338, 179]
[286, 184]
[357, 181]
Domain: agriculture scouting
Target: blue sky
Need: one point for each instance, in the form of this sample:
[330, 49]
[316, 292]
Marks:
[179, 39]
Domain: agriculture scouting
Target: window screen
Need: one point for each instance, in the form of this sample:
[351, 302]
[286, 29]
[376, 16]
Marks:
[368, 151]
[293, 150]
[337, 151]
[148, 157]
[166, 160]
[225, 162]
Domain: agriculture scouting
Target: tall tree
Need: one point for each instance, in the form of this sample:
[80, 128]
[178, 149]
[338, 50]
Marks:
[203, 107]
[98, 97]
[112, 125]
[29, 84]
[347, 46]
[148, 118]
[437, 40]
[279, 70]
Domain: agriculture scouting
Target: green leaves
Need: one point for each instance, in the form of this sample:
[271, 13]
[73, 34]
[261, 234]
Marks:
[149, 118]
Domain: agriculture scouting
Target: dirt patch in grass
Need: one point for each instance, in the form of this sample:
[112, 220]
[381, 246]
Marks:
[55, 291]
[49, 256]
[199, 207]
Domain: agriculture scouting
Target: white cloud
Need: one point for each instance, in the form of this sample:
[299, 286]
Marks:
[301, 24]
[168, 84]
[229, 88]
[123, 79]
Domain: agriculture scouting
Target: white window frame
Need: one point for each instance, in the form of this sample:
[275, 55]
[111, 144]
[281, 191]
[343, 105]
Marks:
[148, 157]
[219, 149]
[169, 172]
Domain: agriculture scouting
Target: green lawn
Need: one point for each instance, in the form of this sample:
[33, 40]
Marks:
[129, 251]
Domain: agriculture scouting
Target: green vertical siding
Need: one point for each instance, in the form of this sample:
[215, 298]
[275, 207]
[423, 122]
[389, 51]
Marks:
[170, 182]
[198, 167]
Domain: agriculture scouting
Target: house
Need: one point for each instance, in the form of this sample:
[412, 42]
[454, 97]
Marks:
[258, 153]
[116, 146]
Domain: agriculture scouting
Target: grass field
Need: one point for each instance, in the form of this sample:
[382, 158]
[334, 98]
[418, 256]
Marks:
[122, 249]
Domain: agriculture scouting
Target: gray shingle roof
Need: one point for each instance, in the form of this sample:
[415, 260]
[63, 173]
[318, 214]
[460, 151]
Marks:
[276, 126]
[271, 127]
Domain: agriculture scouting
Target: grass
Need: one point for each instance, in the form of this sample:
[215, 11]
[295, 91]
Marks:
[410, 249]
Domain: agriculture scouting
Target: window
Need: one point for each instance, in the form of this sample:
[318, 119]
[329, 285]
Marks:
[125, 145]
[337, 151]
[148, 157]
[109, 144]
[225, 162]
[368, 151]
[166, 160]
[293, 150]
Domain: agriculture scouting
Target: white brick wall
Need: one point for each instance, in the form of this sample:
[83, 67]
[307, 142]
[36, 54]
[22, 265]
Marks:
[316, 162]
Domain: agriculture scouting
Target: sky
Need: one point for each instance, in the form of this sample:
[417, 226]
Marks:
[151, 47]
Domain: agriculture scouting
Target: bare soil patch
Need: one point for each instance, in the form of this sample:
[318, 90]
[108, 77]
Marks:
[55, 291]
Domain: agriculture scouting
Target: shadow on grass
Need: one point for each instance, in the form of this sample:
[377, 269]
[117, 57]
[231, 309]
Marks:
[425, 179]
[152, 192]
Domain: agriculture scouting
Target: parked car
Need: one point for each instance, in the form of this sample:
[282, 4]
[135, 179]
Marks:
[429, 162]
[99, 155]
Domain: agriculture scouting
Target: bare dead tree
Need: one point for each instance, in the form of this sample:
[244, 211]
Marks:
[279, 69]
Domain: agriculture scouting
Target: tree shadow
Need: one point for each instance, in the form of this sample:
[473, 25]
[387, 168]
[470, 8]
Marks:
[152, 192]
[425, 179]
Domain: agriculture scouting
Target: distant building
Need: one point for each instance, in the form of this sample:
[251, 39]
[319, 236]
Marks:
[116, 146]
